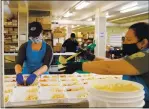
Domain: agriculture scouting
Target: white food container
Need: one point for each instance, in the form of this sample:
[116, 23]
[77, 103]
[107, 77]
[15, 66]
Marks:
[70, 83]
[44, 84]
[119, 94]
[101, 98]
[74, 88]
[46, 93]
[20, 94]
[9, 84]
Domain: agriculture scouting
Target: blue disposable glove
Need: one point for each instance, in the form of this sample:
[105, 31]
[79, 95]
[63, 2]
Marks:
[19, 79]
[31, 79]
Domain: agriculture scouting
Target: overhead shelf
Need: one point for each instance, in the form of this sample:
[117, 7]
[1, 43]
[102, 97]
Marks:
[10, 26]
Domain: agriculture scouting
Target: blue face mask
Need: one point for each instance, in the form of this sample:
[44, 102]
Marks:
[36, 39]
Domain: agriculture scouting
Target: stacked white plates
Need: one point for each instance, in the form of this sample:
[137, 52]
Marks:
[101, 98]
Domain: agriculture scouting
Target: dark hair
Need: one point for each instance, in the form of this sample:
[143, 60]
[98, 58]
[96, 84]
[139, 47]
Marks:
[73, 35]
[141, 30]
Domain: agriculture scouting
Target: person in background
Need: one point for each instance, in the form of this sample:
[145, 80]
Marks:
[71, 44]
[33, 57]
[134, 66]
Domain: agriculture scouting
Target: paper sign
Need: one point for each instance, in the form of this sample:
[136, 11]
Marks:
[23, 37]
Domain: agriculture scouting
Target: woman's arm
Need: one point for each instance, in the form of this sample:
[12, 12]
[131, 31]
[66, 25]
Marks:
[135, 64]
[101, 58]
[46, 61]
[110, 67]
[20, 58]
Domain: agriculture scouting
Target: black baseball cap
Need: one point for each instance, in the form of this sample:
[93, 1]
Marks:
[35, 28]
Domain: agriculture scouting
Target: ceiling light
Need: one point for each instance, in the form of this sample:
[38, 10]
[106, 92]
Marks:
[130, 9]
[108, 16]
[90, 19]
[82, 5]
[129, 6]
[68, 14]
[72, 26]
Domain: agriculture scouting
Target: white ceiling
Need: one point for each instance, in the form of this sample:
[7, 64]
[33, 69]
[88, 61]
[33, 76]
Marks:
[58, 8]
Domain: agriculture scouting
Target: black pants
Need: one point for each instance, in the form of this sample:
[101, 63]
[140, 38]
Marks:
[146, 104]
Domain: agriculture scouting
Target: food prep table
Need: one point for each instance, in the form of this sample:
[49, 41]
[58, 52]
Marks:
[50, 91]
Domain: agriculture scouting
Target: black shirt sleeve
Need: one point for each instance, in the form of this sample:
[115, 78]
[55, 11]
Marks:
[21, 54]
[64, 44]
[48, 56]
[77, 43]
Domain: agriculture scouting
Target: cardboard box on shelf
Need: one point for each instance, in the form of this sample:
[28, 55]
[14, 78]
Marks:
[46, 26]
[6, 48]
[57, 48]
[5, 23]
[7, 41]
[58, 44]
[10, 29]
[58, 35]
[14, 21]
[15, 40]
[6, 31]
[9, 23]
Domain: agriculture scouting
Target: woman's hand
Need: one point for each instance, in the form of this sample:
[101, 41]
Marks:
[19, 79]
[30, 80]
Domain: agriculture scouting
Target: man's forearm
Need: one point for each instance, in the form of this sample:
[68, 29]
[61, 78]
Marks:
[41, 70]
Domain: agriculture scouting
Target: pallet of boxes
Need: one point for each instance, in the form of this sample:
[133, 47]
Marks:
[58, 33]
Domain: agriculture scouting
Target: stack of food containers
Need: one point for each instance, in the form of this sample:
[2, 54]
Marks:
[115, 93]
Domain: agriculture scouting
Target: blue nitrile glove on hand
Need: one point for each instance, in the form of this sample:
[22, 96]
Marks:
[19, 79]
[31, 79]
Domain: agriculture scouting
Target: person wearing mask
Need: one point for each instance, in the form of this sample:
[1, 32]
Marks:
[134, 66]
[33, 57]
[71, 44]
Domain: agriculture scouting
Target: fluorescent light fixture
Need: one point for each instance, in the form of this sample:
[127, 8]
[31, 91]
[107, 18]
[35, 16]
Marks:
[82, 5]
[90, 19]
[72, 26]
[68, 14]
[108, 16]
[129, 6]
[130, 9]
